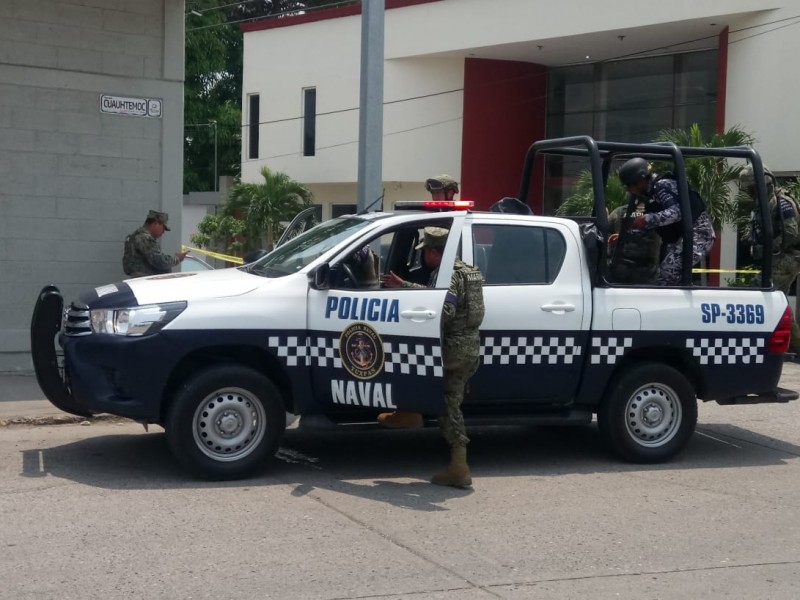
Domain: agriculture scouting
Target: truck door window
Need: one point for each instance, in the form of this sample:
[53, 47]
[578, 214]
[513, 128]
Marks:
[394, 251]
[518, 255]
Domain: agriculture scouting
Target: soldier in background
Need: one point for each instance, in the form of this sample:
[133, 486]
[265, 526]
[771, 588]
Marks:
[633, 257]
[442, 187]
[142, 255]
[462, 315]
[786, 240]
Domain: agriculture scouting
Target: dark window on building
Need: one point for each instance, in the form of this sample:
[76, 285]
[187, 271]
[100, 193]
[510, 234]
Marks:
[337, 210]
[518, 255]
[252, 150]
[309, 121]
[626, 101]
[317, 213]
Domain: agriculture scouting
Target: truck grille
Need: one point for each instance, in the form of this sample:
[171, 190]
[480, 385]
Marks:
[76, 320]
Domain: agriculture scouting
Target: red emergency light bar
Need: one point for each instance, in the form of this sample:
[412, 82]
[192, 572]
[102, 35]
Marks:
[435, 205]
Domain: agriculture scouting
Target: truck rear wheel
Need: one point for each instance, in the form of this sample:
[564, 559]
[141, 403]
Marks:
[226, 422]
[648, 415]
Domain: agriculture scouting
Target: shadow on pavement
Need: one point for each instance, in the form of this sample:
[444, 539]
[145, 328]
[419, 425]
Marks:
[362, 463]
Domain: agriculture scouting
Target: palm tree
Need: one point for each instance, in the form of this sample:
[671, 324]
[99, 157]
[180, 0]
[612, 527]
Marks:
[262, 206]
[711, 176]
[252, 214]
[581, 202]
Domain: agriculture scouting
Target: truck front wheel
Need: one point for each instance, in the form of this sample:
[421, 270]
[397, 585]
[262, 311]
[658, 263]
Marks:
[225, 422]
[649, 414]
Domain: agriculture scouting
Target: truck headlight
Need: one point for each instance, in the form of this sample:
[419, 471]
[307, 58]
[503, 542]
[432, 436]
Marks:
[136, 320]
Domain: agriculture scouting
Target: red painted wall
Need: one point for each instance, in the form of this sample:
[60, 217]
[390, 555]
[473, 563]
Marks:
[504, 113]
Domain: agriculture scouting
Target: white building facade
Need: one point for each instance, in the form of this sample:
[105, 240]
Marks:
[91, 138]
[470, 84]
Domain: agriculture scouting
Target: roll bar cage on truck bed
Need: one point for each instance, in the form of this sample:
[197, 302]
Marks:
[600, 156]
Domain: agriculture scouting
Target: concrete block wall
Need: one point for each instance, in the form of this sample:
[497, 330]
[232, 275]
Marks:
[75, 181]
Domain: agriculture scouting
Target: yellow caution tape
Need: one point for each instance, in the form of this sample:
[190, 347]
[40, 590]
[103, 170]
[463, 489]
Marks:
[725, 271]
[226, 257]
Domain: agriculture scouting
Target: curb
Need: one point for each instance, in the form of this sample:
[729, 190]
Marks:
[60, 420]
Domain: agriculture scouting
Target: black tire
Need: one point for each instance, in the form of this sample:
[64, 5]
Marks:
[649, 414]
[225, 422]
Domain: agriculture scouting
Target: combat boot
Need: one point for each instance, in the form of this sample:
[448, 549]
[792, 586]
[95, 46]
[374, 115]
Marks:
[400, 420]
[457, 472]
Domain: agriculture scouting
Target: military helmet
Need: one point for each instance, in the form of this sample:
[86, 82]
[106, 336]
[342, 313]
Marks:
[441, 182]
[747, 178]
[633, 170]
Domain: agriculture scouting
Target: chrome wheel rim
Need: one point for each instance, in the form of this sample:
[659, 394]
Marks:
[653, 415]
[229, 424]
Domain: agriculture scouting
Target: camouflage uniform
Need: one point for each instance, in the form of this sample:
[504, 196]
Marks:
[143, 255]
[462, 315]
[662, 209]
[635, 256]
[786, 238]
[786, 262]
[461, 346]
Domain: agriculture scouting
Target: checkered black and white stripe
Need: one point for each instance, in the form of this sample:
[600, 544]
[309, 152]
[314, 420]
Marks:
[292, 349]
[535, 350]
[323, 352]
[316, 351]
[607, 349]
[727, 350]
[404, 358]
[413, 359]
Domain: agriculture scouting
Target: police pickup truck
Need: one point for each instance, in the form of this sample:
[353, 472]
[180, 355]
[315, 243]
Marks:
[218, 357]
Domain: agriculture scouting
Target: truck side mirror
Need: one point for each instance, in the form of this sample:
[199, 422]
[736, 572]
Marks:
[321, 277]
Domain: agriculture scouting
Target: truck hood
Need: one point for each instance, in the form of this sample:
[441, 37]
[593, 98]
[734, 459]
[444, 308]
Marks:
[173, 287]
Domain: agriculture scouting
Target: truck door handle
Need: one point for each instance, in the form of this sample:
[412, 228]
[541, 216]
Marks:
[559, 308]
[418, 314]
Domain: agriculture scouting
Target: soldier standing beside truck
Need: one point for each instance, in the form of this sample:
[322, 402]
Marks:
[142, 255]
[462, 315]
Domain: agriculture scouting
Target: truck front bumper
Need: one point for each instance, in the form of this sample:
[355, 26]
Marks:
[100, 373]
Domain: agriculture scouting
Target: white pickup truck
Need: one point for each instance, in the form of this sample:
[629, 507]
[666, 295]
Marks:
[217, 357]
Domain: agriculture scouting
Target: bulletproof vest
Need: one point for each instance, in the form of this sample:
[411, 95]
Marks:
[128, 256]
[635, 257]
[473, 282]
[778, 228]
[674, 231]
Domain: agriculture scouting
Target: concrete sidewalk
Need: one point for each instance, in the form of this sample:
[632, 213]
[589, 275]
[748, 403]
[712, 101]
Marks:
[22, 401]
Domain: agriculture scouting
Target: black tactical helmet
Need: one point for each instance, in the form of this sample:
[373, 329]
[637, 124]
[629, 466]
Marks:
[633, 170]
[511, 205]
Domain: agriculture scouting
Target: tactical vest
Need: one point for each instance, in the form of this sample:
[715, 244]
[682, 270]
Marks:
[128, 256]
[636, 255]
[473, 283]
[674, 231]
[778, 227]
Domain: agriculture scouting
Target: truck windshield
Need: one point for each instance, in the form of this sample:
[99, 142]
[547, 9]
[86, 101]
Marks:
[301, 251]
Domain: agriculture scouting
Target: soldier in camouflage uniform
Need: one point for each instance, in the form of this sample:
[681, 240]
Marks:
[142, 255]
[442, 187]
[663, 215]
[462, 315]
[786, 240]
[634, 256]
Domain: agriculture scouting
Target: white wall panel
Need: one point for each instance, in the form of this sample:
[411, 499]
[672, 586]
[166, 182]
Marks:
[763, 84]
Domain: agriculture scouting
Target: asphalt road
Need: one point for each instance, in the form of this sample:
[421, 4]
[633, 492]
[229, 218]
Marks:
[103, 511]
